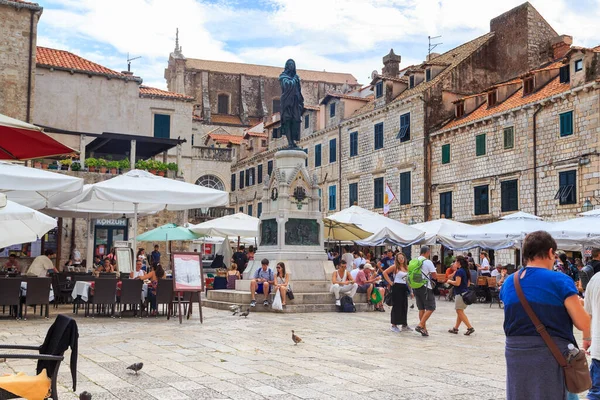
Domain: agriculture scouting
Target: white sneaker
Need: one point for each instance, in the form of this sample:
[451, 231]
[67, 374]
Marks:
[406, 328]
[395, 329]
[337, 303]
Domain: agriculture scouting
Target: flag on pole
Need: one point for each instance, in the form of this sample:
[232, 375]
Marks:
[387, 199]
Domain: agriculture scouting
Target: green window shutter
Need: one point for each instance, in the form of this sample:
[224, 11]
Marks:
[480, 145]
[509, 137]
[162, 126]
[446, 154]
[566, 123]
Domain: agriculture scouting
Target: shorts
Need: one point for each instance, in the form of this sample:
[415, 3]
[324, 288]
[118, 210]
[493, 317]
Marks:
[260, 288]
[459, 303]
[363, 288]
[425, 298]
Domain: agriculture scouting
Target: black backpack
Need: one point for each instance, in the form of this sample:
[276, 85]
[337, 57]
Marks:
[347, 305]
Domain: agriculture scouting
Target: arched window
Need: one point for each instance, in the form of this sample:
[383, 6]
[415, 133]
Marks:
[223, 104]
[210, 181]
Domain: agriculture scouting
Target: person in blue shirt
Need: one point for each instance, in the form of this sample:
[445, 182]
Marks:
[155, 255]
[532, 371]
[460, 279]
[263, 278]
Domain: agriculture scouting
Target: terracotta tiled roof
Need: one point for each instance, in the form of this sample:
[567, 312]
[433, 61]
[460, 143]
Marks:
[146, 91]
[225, 139]
[342, 96]
[517, 100]
[313, 108]
[256, 134]
[225, 119]
[67, 61]
[556, 64]
[268, 71]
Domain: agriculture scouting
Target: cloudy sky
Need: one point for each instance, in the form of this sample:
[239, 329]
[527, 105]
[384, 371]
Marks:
[332, 35]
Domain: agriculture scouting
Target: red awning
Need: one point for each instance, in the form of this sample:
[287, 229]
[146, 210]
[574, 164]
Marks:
[22, 141]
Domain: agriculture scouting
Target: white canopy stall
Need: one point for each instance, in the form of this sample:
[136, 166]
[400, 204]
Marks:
[441, 227]
[20, 224]
[239, 224]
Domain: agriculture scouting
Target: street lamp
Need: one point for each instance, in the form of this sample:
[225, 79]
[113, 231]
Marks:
[587, 206]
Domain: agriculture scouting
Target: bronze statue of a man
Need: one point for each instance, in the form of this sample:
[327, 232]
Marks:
[292, 103]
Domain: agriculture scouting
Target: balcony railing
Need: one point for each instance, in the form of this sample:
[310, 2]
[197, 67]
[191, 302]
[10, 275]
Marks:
[199, 215]
[212, 153]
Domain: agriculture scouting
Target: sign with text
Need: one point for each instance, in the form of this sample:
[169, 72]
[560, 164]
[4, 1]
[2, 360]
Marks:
[187, 272]
[111, 222]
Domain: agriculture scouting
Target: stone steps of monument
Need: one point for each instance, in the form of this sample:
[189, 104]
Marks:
[297, 286]
[243, 297]
[298, 308]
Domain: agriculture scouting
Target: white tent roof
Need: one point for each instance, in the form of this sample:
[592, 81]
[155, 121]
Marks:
[509, 231]
[143, 188]
[235, 225]
[439, 227]
[373, 222]
[20, 224]
[384, 236]
[592, 213]
[37, 188]
[574, 233]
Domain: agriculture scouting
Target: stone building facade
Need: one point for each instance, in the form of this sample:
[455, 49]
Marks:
[18, 37]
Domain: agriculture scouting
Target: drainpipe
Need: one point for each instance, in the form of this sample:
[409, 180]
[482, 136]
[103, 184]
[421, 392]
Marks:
[535, 186]
[30, 67]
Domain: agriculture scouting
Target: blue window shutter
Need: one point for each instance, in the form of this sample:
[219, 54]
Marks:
[317, 155]
[242, 179]
[378, 193]
[332, 198]
[404, 133]
[258, 210]
[269, 167]
[352, 194]
[162, 126]
[332, 110]
[405, 188]
[259, 179]
[250, 209]
[378, 131]
[332, 151]
[566, 123]
[353, 144]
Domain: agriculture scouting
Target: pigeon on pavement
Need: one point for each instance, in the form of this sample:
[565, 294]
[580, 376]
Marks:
[136, 367]
[235, 309]
[295, 338]
[85, 396]
[245, 313]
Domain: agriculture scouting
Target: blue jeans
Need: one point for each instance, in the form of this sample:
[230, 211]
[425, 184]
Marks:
[594, 392]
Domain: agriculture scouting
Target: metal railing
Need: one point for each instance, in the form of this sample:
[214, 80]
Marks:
[199, 215]
[212, 153]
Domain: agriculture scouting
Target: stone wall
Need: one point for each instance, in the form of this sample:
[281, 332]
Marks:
[15, 58]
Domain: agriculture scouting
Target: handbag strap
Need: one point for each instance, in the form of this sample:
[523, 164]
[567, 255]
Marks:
[539, 327]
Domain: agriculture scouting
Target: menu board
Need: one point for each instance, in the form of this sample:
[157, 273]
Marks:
[187, 272]
[124, 259]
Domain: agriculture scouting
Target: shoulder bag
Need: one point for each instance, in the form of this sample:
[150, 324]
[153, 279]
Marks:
[577, 372]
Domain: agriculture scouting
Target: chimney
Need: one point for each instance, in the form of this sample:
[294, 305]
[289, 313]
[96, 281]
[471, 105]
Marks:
[391, 64]
[560, 45]
[431, 56]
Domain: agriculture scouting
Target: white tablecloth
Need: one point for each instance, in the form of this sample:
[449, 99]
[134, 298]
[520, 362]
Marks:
[24, 291]
[82, 288]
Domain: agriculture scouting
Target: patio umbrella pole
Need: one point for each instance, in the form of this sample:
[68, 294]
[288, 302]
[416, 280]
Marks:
[238, 247]
[135, 229]
[89, 263]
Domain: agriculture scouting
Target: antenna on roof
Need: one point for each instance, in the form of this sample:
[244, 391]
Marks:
[432, 45]
[129, 60]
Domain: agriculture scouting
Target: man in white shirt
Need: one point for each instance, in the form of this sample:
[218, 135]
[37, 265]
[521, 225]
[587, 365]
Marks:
[138, 270]
[41, 265]
[592, 307]
[497, 272]
[347, 256]
[424, 296]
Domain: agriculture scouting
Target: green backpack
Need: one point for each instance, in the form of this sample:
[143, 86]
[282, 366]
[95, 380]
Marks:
[415, 275]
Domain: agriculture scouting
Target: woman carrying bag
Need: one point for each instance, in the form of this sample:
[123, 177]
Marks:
[399, 287]
[539, 363]
[282, 282]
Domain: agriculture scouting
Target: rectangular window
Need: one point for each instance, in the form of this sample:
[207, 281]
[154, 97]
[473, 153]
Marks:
[378, 130]
[242, 209]
[306, 161]
[480, 145]
[162, 126]
[427, 74]
[379, 89]
[567, 189]
[509, 137]
[250, 177]
[352, 194]
[223, 104]
[459, 109]
[306, 121]
[411, 81]
[404, 134]
[276, 133]
[317, 155]
[276, 106]
[332, 151]
[578, 65]
[332, 199]
[259, 173]
[233, 182]
[242, 181]
[320, 199]
[269, 167]
[250, 209]
[446, 205]
[332, 110]
[353, 144]
[258, 210]
[481, 202]
[528, 86]
[378, 193]
[566, 123]
[510, 195]
[263, 143]
[405, 188]
[565, 73]
[445, 153]
[491, 98]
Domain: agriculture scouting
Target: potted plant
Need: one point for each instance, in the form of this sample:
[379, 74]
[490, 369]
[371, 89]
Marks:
[141, 164]
[53, 165]
[103, 165]
[152, 166]
[76, 166]
[113, 166]
[124, 165]
[172, 168]
[162, 168]
[37, 163]
[65, 164]
[91, 164]
[44, 164]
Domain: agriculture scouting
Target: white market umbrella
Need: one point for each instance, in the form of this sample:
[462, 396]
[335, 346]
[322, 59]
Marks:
[574, 233]
[384, 236]
[440, 227]
[144, 190]
[372, 222]
[509, 231]
[37, 188]
[239, 225]
[20, 224]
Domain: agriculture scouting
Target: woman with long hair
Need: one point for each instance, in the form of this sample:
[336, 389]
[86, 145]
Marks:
[460, 281]
[232, 275]
[400, 291]
[154, 276]
[282, 281]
